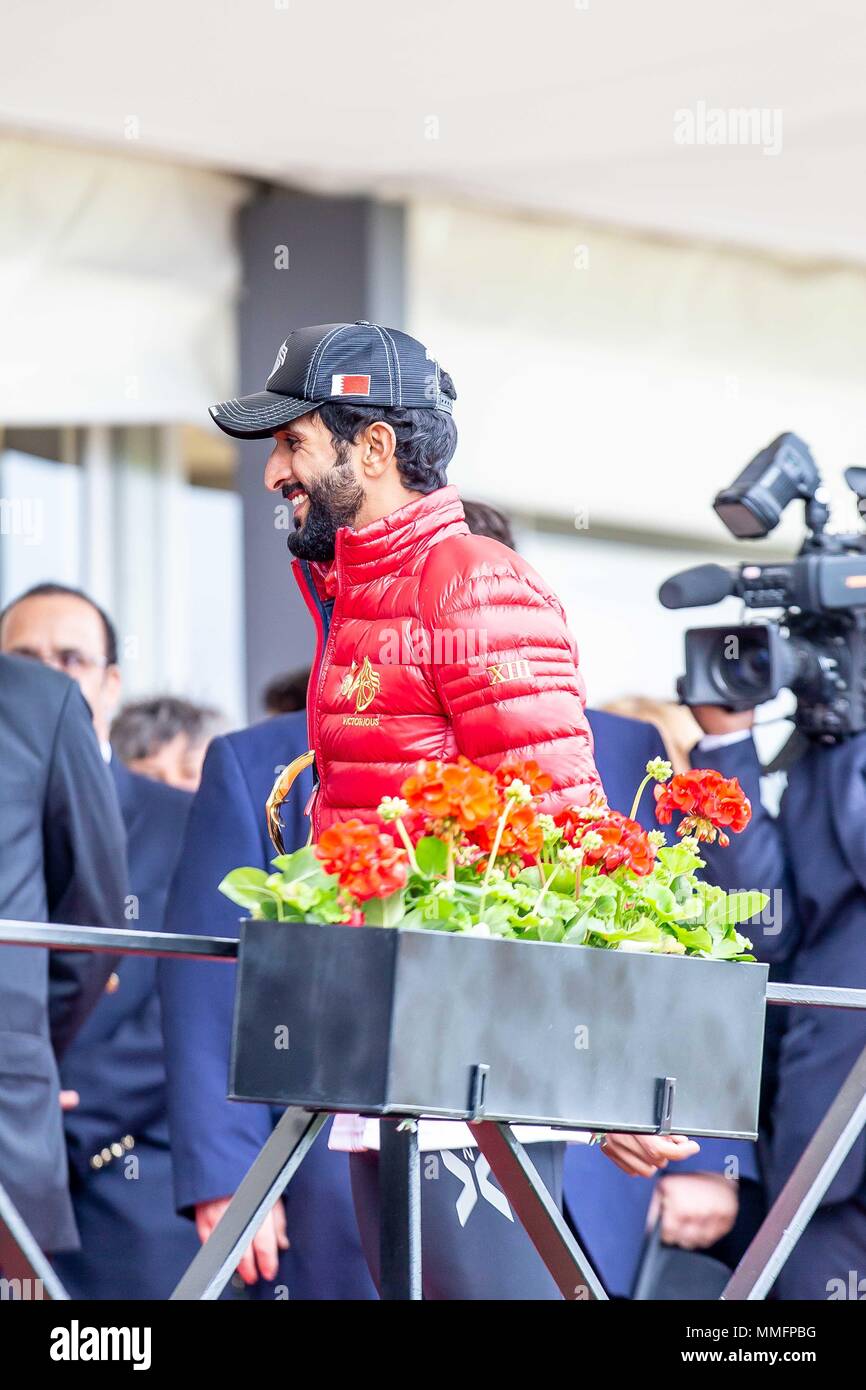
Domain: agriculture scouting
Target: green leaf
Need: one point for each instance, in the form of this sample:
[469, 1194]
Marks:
[413, 918]
[729, 944]
[531, 876]
[303, 864]
[605, 905]
[266, 911]
[644, 929]
[739, 907]
[662, 899]
[384, 912]
[693, 938]
[678, 859]
[299, 894]
[328, 911]
[473, 889]
[564, 883]
[599, 885]
[431, 856]
[247, 887]
[576, 934]
[550, 930]
[496, 915]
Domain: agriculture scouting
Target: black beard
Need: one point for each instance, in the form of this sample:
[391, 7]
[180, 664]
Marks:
[334, 501]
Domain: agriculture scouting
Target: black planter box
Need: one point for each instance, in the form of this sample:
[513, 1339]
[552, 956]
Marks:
[381, 1021]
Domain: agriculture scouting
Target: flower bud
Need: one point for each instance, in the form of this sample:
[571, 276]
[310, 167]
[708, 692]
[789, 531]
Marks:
[659, 769]
[571, 857]
[519, 791]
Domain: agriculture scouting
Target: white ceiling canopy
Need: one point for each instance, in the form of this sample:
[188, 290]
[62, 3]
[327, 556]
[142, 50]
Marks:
[742, 123]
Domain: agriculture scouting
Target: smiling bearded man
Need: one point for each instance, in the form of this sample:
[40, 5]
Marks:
[432, 642]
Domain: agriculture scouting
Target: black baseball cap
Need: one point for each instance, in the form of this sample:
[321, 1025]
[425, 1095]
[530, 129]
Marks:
[360, 362]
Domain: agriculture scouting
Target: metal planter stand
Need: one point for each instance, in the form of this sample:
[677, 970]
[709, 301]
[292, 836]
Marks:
[411, 1022]
[509, 1161]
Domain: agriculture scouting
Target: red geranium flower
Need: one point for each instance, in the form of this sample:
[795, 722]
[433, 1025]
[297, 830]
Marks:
[574, 820]
[521, 834]
[367, 863]
[708, 802]
[458, 791]
[529, 772]
[624, 842]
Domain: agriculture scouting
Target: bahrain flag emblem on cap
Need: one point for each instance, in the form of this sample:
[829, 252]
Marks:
[344, 385]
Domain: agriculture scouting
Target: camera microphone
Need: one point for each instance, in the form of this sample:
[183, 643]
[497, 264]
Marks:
[704, 584]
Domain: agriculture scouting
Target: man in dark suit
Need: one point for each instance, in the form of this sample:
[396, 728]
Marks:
[62, 858]
[133, 1243]
[309, 1247]
[812, 859]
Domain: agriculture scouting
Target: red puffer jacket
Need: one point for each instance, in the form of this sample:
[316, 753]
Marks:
[434, 642]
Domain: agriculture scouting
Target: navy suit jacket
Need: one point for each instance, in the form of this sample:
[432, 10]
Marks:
[215, 1140]
[62, 858]
[116, 1061]
[814, 856]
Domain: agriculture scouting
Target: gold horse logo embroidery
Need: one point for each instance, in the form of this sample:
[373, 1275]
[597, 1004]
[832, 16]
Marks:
[362, 682]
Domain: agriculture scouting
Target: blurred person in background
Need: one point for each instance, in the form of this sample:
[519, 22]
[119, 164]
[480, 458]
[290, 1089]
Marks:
[62, 859]
[287, 694]
[676, 724]
[485, 520]
[133, 1245]
[165, 738]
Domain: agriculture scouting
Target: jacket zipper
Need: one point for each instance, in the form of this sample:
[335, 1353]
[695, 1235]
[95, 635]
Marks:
[317, 613]
[323, 648]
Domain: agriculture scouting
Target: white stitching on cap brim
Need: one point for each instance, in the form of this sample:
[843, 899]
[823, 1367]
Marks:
[234, 410]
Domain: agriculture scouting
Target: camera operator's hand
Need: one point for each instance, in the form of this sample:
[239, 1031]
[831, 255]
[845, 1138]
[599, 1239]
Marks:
[696, 1209]
[714, 720]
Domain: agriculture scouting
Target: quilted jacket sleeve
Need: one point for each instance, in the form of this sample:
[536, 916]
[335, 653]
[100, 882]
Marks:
[505, 665]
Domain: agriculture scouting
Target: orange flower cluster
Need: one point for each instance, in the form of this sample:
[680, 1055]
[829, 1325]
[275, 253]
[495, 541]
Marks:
[521, 835]
[623, 841]
[708, 802]
[367, 863]
[474, 801]
[529, 772]
[459, 792]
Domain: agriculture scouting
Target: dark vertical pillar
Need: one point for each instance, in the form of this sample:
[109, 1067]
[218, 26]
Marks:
[345, 261]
